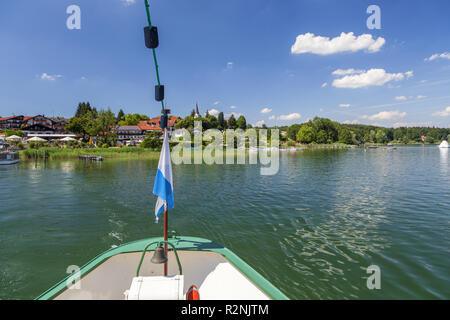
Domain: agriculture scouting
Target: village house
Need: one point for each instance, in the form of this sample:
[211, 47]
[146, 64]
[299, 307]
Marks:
[153, 124]
[13, 122]
[39, 124]
[53, 128]
[60, 124]
[127, 135]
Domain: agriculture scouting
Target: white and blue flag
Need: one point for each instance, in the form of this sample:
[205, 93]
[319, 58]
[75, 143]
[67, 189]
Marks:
[163, 187]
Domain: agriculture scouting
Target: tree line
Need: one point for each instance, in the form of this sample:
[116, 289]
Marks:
[210, 121]
[326, 131]
[90, 122]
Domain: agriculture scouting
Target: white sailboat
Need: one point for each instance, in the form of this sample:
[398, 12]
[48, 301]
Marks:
[444, 144]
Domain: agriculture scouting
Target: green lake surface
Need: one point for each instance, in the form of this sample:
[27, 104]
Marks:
[312, 229]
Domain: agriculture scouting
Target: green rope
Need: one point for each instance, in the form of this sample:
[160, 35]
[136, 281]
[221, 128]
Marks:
[147, 8]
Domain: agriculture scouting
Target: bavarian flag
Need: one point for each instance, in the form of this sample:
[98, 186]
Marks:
[163, 187]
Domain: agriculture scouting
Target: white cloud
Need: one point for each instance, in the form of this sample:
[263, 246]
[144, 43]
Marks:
[385, 115]
[373, 77]
[309, 43]
[291, 116]
[272, 117]
[230, 65]
[216, 103]
[421, 97]
[351, 122]
[50, 77]
[344, 72]
[266, 110]
[344, 105]
[259, 123]
[400, 98]
[411, 124]
[233, 107]
[129, 2]
[445, 55]
[214, 112]
[324, 84]
[443, 113]
[236, 115]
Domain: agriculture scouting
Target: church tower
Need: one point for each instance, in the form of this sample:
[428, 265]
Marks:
[197, 114]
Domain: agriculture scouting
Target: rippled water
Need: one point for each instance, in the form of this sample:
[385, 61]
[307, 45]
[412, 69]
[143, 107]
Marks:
[312, 229]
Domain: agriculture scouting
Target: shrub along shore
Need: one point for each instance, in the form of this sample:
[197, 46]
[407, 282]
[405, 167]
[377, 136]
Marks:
[61, 153]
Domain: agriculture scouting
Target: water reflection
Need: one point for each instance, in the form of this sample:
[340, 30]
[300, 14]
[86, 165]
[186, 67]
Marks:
[444, 159]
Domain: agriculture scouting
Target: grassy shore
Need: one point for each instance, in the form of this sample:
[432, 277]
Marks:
[61, 153]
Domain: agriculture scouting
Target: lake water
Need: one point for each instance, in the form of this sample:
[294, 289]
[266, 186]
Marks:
[312, 229]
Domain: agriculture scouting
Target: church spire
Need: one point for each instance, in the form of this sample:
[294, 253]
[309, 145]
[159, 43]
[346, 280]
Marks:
[197, 113]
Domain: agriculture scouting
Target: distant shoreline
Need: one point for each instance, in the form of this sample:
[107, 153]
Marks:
[54, 153]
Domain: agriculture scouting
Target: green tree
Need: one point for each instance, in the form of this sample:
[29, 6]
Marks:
[331, 128]
[380, 136]
[232, 122]
[345, 136]
[322, 137]
[241, 123]
[293, 130]
[132, 119]
[186, 123]
[77, 125]
[94, 113]
[152, 140]
[10, 132]
[221, 120]
[306, 134]
[82, 109]
[120, 116]
[103, 126]
[213, 122]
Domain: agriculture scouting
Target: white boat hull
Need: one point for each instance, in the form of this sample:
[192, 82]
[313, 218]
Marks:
[6, 162]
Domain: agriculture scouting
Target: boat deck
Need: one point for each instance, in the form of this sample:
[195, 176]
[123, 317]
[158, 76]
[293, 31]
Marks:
[215, 277]
[216, 271]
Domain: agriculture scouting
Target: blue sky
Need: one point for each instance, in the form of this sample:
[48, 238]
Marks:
[232, 56]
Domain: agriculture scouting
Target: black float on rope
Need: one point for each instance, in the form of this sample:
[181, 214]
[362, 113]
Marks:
[151, 37]
[163, 122]
[159, 92]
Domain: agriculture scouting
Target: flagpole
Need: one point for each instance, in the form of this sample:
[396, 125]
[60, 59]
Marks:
[166, 224]
[166, 218]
